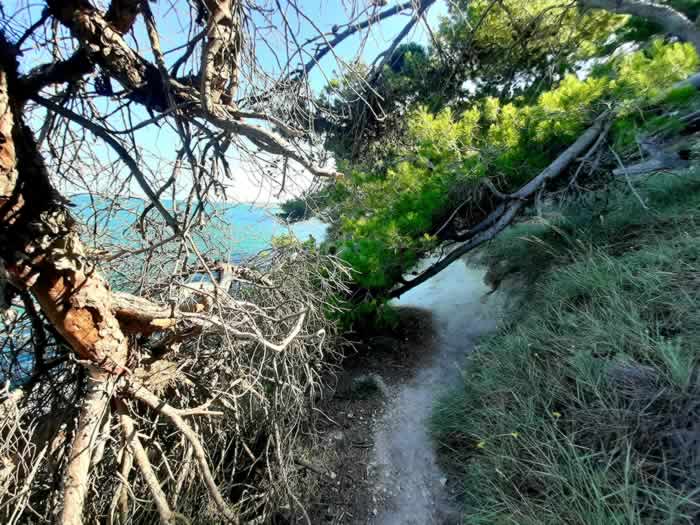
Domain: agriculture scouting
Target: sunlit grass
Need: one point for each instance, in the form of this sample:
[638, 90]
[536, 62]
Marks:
[583, 410]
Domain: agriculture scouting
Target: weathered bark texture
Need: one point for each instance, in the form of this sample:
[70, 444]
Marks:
[673, 22]
[122, 14]
[96, 347]
[221, 53]
[41, 252]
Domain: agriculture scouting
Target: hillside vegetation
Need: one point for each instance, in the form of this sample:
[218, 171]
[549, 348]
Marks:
[451, 167]
[583, 408]
[148, 374]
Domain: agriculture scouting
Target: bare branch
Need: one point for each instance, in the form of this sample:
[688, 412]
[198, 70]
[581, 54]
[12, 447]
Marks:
[173, 415]
[76, 479]
[503, 215]
[672, 21]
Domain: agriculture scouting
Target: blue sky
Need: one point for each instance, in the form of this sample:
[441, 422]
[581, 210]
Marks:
[157, 144]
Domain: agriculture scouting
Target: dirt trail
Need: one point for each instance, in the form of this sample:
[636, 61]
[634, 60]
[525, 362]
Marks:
[407, 477]
[376, 446]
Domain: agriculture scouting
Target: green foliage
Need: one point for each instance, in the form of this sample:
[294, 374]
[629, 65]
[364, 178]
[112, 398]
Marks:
[569, 415]
[649, 73]
[514, 48]
[294, 210]
[289, 240]
[389, 215]
[639, 75]
[368, 316]
[306, 206]
[362, 106]
[507, 49]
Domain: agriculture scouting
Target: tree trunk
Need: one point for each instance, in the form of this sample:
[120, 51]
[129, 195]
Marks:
[673, 22]
[40, 251]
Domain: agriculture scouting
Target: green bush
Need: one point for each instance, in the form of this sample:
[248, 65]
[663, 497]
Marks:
[389, 215]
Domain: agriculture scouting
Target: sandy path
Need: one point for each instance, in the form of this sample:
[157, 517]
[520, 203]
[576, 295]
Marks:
[410, 487]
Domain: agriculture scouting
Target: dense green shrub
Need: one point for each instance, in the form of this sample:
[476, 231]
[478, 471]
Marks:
[389, 214]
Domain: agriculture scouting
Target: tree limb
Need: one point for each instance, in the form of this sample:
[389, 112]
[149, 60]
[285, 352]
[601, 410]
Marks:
[76, 478]
[340, 36]
[505, 213]
[173, 415]
[117, 146]
[145, 85]
[144, 464]
[673, 22]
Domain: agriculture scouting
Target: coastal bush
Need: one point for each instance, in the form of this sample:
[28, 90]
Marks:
[390, 214]
[509, 53]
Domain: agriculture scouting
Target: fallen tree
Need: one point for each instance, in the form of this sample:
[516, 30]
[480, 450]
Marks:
[509, 206]
[513, 203]
[451, 168]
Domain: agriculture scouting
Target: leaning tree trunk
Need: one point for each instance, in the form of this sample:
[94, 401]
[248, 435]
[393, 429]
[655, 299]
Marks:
[40, 251]
[671, 21]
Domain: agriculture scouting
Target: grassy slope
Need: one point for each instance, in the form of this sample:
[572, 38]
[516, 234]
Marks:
[585, 408]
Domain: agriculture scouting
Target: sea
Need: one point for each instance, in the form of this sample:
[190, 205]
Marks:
[253, 227]
[245, 229]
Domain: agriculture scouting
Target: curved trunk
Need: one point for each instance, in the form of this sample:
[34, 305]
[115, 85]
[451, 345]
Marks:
[41, 252]
[673, 22]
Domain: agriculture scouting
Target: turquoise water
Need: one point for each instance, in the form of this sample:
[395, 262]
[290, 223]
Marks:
[252, 228]
[242, 229]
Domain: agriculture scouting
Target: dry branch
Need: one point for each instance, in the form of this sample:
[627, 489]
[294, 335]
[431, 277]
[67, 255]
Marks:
[174, 416]
[240, 353]
[76, 480]
[504, 214]
[139, 454]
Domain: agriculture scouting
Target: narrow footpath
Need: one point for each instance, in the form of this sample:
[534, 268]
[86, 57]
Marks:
[414, 488]
[377, 445]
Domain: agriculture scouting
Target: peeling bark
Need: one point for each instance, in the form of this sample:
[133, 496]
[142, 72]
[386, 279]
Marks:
[40, 249]
[41, 252]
